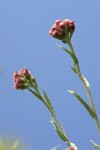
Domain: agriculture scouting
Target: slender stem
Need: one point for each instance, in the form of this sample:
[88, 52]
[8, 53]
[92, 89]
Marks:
[86, 88]
[59, 124]
[71, 47]
[51, 111]
[41, 98]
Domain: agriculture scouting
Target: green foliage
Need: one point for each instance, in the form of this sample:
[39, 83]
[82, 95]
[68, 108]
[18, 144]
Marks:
[49, 103]
[95, 145]
[88, 108]
[70, 53]
[59, 132]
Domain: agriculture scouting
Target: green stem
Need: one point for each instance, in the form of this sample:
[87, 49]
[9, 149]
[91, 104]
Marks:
[51, 111]
[59, 124]
[86, 88]
[71, 47]
[39, 98]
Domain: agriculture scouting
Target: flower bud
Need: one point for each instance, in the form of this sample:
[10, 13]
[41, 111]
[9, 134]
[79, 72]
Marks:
[72, 147]
[71, 25]
[55, 33]
[62, 30]
[58, 21]
[62, 25]
[66, 21]
[54, 27]
[22, 79]
[24, 72]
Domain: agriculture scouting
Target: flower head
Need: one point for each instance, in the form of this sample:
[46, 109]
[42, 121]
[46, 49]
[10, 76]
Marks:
[22, 79]
[72, 147]
[62, 30]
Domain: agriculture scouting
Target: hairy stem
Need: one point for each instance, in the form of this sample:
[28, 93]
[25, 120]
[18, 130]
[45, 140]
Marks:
[51, 111]
[78, 71]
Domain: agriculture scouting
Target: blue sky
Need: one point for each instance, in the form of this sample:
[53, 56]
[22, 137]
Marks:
[25, 42]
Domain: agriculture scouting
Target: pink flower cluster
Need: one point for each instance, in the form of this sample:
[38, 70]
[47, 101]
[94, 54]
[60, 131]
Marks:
[72, 147]
[62, 29]
[21, 79]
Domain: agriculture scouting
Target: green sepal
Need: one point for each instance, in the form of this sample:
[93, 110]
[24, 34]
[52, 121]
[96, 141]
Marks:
[70, 53]
[59, 132]
[88, 108]
[95, 145]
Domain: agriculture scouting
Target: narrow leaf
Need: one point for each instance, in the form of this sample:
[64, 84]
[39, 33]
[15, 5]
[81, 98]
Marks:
[95, 145]
[73, 69]
[36, 94]
[42, 99]
[86, 82]
[88, 108]
[70, 53]
[59, 132]
[48, 102]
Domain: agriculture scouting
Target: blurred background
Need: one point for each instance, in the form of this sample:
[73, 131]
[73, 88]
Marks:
[25, 42]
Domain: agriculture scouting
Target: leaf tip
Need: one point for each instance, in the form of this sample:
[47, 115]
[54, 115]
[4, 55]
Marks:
[70, 91]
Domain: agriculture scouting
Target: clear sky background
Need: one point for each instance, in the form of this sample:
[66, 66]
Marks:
[25, 42]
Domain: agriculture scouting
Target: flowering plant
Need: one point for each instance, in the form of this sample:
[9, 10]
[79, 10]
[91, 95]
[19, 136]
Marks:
[61, 30]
